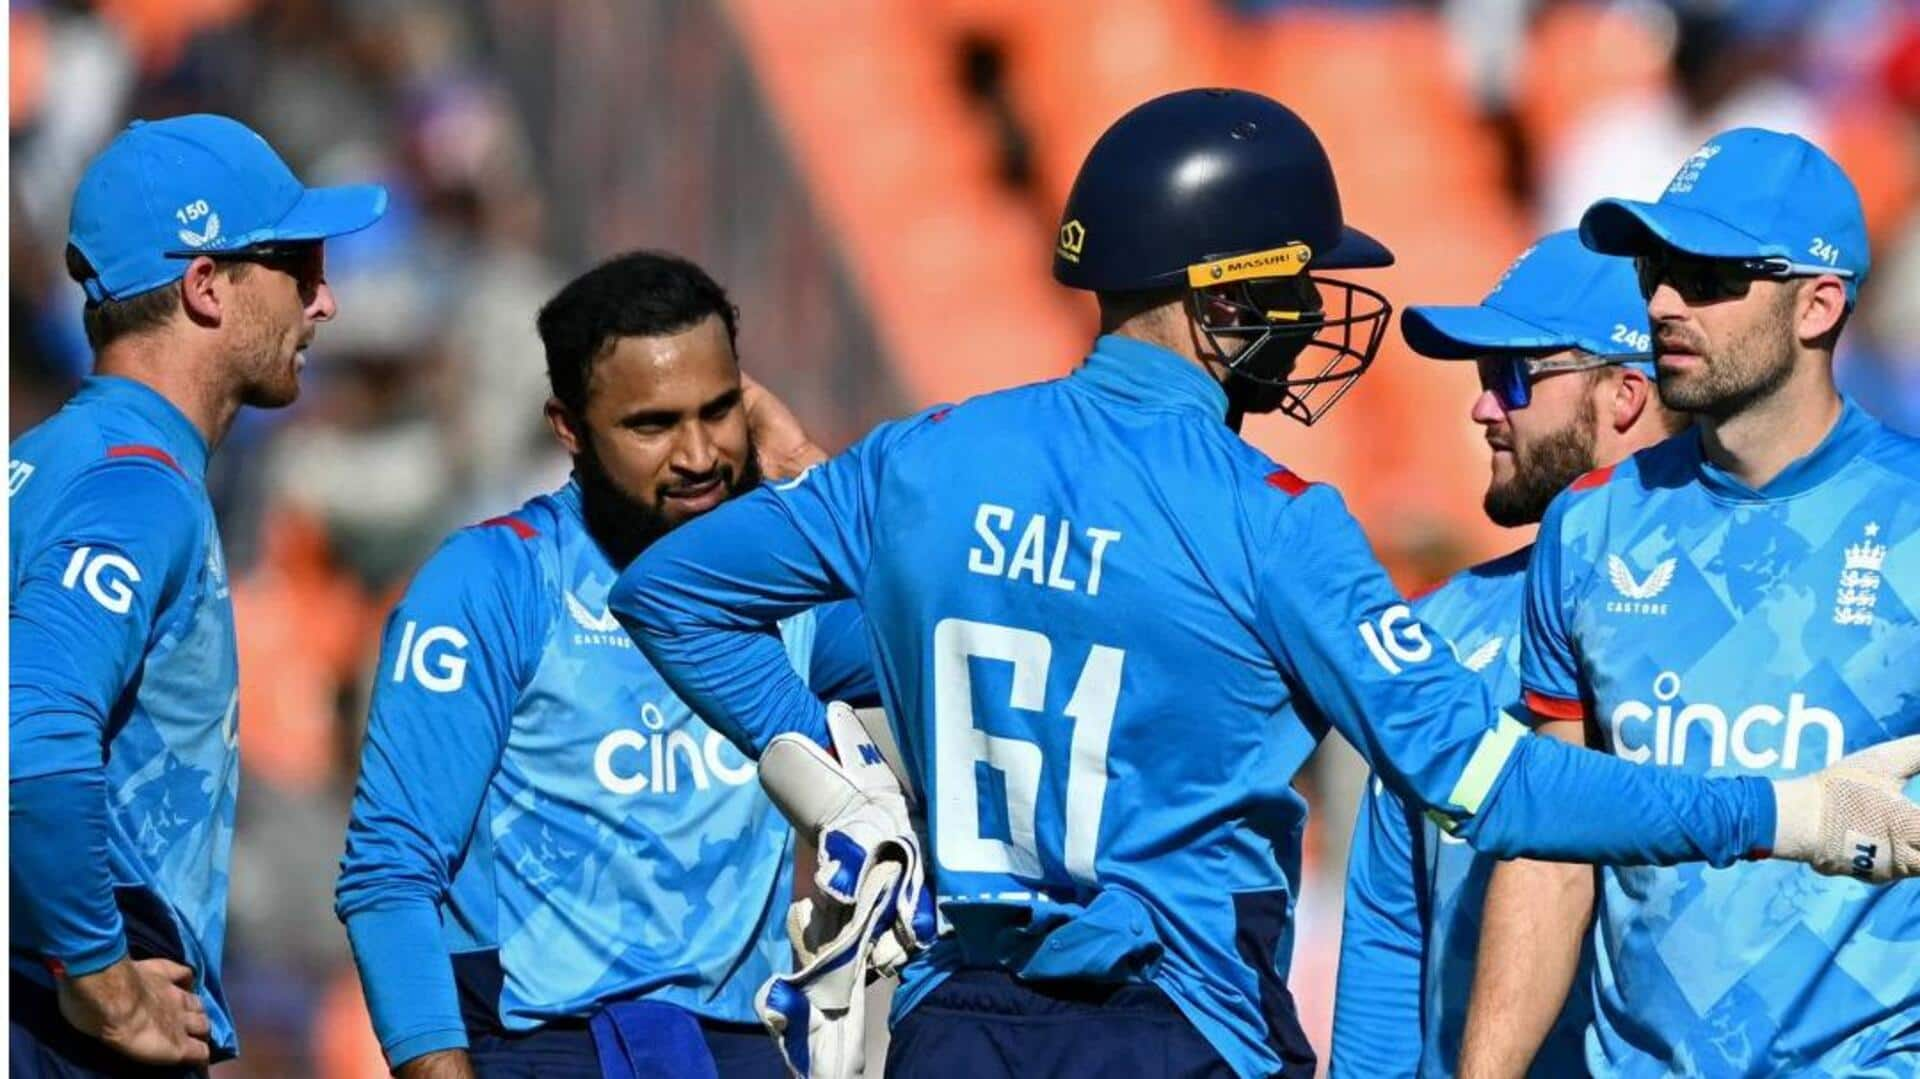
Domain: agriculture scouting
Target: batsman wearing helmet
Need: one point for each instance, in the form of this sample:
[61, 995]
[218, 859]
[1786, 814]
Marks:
[1109, 632]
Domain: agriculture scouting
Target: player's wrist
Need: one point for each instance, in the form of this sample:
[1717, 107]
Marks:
[1797, 812]
[449, 1063]
[110, 997]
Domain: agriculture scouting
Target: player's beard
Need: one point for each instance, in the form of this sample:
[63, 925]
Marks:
[1750, 368]
[268, 376]
[624, 524]
[1543, 469]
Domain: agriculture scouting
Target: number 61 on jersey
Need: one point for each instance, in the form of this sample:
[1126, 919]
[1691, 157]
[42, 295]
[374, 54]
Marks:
[961, 744]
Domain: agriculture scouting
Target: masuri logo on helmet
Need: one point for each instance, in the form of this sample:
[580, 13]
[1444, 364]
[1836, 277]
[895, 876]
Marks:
[1279, 262]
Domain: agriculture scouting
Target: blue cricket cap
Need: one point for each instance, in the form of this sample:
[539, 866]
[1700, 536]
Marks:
[165, 191]
[1748, 193]
[1556, 295]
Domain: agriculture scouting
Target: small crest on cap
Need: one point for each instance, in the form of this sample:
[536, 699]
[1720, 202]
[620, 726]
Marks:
[1690, 169]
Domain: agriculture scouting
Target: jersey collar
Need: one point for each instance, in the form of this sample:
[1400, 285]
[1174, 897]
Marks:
[1150, 376]
[1850, 434]
[177, 434]
[570, 499]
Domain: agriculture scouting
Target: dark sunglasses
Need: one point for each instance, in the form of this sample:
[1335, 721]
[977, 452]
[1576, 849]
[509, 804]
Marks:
[1709, 280]
[1510, 377]
[304, 261]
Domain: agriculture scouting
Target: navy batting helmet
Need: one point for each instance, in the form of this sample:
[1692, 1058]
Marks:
[1230, 195]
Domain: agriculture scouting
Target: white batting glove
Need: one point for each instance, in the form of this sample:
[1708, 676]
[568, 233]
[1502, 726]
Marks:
[871, 911]
[1852, 819]
[818, 1014]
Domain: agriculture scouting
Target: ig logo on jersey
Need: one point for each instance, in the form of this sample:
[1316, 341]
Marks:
[106, 577]
[441, 670]
[1395, 640]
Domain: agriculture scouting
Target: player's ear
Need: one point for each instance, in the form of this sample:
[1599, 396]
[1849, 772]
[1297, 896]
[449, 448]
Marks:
[565, 428]
[1819, 310]
[198, 294]
[1629, 395]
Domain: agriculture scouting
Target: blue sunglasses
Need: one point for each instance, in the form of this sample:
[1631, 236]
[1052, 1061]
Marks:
[1510, 376]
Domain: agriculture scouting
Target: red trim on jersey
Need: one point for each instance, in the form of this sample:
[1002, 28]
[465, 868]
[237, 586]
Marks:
[942, 414]
[1759, 854]
[1554, 708]
[54, 966]
[153, 453]
[1285, 480]
[520, 528]
[1597, 478]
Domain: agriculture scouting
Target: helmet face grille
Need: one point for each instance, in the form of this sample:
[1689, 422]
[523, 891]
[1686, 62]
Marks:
[1288, 348]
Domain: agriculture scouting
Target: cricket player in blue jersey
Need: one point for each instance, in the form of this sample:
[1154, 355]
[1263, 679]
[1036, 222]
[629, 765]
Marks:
[553, 868]
[1566, 376]
[201, 257]
[1109, 632]
[1740, 601]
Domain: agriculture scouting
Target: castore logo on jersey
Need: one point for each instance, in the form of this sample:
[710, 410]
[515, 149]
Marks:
[1636, 595]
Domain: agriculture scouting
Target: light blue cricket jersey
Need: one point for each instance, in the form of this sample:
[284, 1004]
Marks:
[1411, 931]
[540, 821]
[1717, 630]
[1108, 633]
[123, 716]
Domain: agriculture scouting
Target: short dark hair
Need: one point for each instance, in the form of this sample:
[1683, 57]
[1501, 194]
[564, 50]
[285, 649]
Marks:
[638, 294]
[106, 321]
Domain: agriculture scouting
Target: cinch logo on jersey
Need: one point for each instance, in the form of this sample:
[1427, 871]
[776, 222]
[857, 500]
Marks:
[18, 472]
[1760, 737]
[1635, 594]
[602, 628]
[655, 758]
[107, 578]
[440, 669]
[1396, 640]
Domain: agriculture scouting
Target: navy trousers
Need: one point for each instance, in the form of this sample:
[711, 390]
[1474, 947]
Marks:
[986, 1024]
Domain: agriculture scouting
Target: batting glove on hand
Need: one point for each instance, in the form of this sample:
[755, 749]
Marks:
[872, 911]
[1851, 819]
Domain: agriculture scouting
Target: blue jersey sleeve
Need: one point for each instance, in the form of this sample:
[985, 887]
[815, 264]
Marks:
[698, 600]
[1431, 731]
[1549, 671]
[1376, 1011]
[1354, 649]
[842, 661]
[86, 607]
[452, 661]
